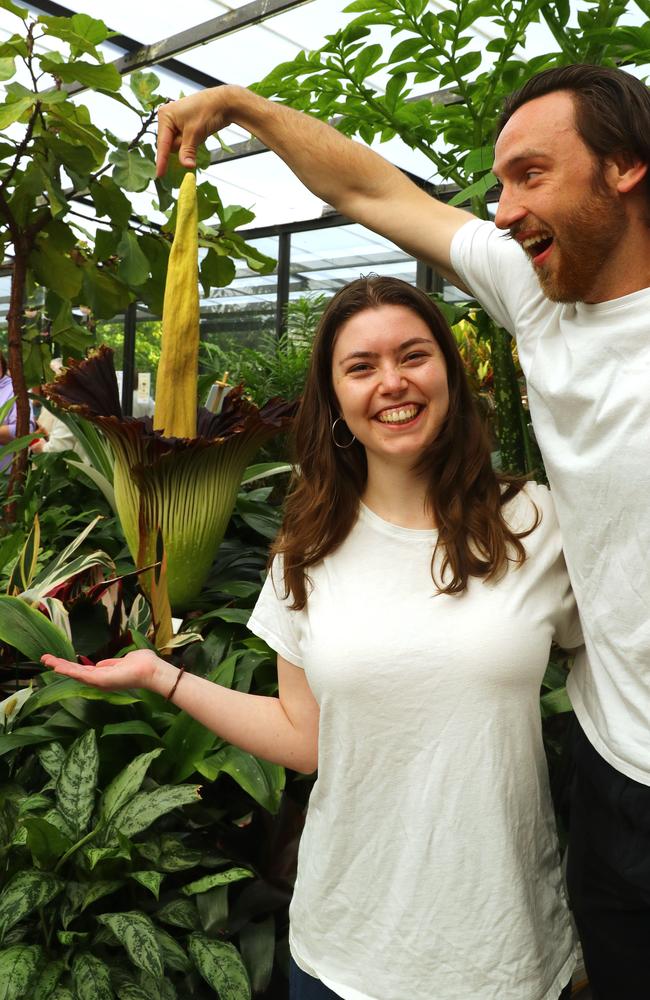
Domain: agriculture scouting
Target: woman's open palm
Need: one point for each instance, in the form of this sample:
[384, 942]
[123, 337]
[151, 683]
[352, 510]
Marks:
[134, 670]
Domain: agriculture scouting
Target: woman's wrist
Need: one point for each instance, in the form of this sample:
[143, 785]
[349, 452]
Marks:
[164, 677]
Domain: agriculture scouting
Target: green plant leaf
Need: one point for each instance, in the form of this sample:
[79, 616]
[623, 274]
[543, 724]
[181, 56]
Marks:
[76, 784]
[264, 470]
[132, 170]
[143, 86]
[91, 978]
[63, 688]
[18, 970]
[26, 736]
[102, 77]
[136, 727]
[13, 8]
[51, 758]
[125, 785]
[221, 966]
[47, 980]
[180, 913]
[53, 268]
[31, 632]
[217, 878]
[25, 892]
[103, 292]
[150, 880]
[134, 266]
[46, 843]
[262, 780]
[109, 200]
[137, 933]
[7, 67]
[146, 807]
[216, 271]
[257, 944]
[13, 110]
[173, 955]
[485, 183]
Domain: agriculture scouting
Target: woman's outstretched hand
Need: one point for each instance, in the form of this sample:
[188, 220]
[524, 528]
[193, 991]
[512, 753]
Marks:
[138, 669]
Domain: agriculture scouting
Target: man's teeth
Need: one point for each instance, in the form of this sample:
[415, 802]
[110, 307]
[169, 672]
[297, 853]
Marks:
[533, 241]
[400, 416]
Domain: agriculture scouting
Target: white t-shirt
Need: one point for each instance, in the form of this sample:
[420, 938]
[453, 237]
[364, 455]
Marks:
[428, 866]
[587, 369]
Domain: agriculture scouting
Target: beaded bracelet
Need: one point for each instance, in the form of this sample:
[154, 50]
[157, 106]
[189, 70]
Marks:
[175, 684]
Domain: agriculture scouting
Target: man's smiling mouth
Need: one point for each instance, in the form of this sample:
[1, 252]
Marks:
[537, 246]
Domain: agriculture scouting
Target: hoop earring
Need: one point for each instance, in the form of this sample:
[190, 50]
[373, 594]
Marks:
[338, 445]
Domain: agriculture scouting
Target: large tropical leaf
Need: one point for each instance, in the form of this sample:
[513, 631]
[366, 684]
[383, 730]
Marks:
[221, 966]
[91, 978]
[137, 933]
[126, 784]
[25, 892]
[31, 632]
[77, 781]
[146, 807]
[18, 969]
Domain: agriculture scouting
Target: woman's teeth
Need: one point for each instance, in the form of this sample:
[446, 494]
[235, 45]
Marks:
[400, 416]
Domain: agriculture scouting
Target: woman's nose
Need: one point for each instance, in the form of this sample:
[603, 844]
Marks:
[392, 380]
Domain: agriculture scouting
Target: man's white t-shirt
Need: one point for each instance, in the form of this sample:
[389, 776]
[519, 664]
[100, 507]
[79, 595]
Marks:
[587, 369]
[428, 866]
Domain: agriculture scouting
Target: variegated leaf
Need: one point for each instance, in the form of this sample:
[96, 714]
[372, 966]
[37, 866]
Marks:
[129, 991]
[180, 913]
[146, 807]
[45, 842]
[169, 853]
[221, 966]
[62, 993]
[76, 785]
[26, 891]
[112, 852]
[150, 880]
[51, 758]
[91, 978]
[60, 822]
[173, 955]
[18, 969]
[136, 932]
[218, 878]
[47, 980]
[23, 572]
[58, 614]
[126, 784]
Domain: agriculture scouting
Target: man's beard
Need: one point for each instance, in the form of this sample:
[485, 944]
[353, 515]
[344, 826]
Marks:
[583, 242]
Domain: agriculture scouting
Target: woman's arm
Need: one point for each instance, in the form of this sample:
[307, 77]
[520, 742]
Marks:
[283, 730]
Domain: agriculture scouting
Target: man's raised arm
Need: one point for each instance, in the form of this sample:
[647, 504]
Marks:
[352, 178]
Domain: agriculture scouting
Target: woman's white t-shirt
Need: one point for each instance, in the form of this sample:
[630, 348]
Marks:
[428, 867]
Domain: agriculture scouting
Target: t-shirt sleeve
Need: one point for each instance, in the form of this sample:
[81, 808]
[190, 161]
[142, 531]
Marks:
[495, 270]
[274, 621]
[564, 610]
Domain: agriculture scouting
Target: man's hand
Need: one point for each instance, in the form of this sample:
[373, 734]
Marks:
[183, 125]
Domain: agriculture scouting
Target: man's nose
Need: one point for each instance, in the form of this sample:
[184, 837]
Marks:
[510, 211]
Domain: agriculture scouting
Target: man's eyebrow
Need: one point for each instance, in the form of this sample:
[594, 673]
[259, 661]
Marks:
[373, 354]
[526, 154]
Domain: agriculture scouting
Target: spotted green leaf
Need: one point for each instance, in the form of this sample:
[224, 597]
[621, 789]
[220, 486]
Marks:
[47, 980]
[180, 913]
[27, 890]
[136, 932]
[150, 880]
[126, 784]
[91, 978]
[221, 966]
[18, 969]
[173, 955]
[51, 758]
[46, 843]
[219, 878]
[76, 784]
[146, 807]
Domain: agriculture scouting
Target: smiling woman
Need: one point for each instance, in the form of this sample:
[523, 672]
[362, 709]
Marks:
[412, 602]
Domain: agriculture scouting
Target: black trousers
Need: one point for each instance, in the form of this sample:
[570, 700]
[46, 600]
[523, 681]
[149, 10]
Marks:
[608, 873]
[304, 987]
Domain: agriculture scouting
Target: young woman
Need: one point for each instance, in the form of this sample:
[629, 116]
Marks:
[412, 602]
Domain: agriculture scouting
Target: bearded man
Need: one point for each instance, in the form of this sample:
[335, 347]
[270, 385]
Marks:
[565, 268]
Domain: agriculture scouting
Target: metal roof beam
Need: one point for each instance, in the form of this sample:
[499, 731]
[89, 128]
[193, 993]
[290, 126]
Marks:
[216, 27]
[175, 66]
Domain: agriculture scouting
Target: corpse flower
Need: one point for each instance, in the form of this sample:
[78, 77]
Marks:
[176, 478]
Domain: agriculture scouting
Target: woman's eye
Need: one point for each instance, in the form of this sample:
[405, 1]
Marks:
[416, 356]
[359, 369]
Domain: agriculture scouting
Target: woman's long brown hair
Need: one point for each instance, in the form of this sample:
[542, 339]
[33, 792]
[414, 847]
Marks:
[464, 494]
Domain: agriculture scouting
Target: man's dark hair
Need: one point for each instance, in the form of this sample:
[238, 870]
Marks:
[612, 107]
